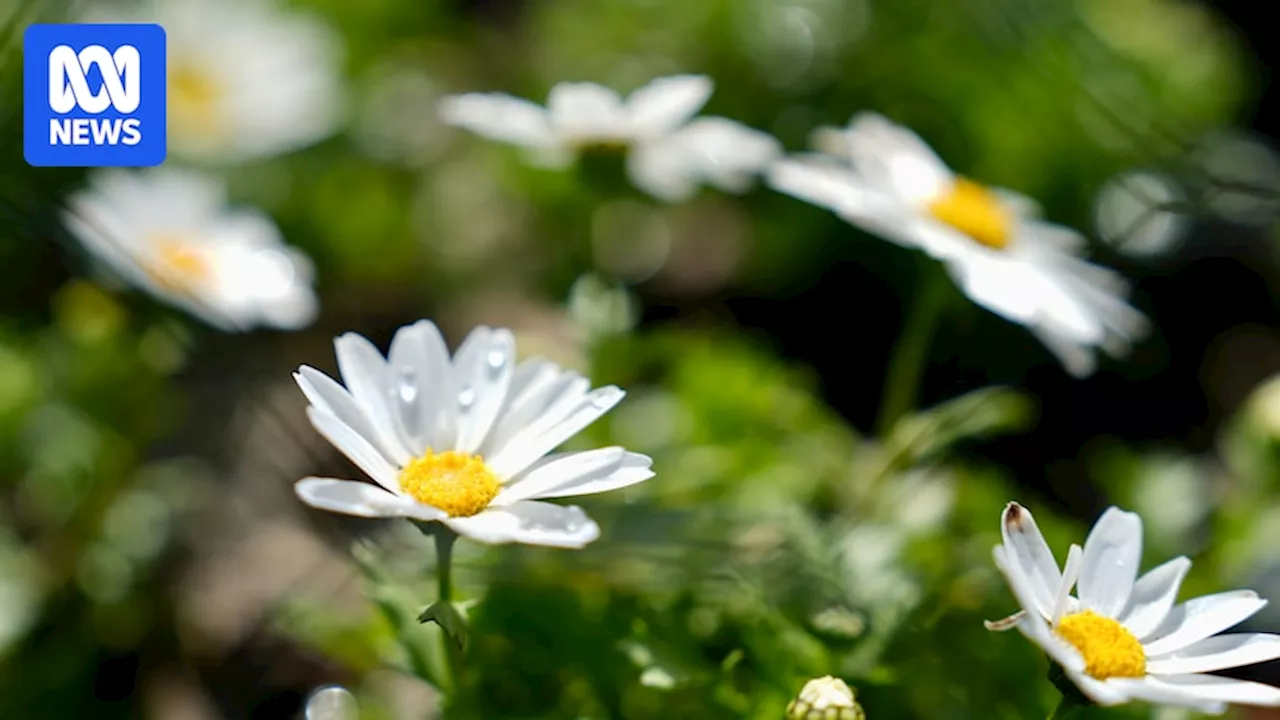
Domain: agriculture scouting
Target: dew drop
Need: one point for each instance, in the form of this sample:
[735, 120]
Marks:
[407, 385]
[466, 398]
[496, 360]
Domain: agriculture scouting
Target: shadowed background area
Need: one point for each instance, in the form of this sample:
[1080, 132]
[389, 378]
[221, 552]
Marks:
[155, 562]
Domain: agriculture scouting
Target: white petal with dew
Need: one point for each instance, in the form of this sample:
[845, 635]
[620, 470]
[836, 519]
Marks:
[422, 388]
[537, 386]
[482, 367]
[527, 447]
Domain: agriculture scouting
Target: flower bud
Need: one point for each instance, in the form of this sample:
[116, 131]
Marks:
[332, 703]
[825, 698]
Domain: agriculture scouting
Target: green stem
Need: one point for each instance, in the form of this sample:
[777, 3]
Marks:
[906, 365]
[445, 538]
[444, 561]
[1065, 709]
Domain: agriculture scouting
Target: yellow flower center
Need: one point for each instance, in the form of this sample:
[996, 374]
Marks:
[457, 483]
[177, 266]
[193, 99]
[975, 211]
[1109, 650]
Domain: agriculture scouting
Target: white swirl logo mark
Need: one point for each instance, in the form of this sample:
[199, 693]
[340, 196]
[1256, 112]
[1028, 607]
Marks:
[69, 85]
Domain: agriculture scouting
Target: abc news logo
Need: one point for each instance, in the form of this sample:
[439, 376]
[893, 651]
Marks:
[69, 89]
[94, 95]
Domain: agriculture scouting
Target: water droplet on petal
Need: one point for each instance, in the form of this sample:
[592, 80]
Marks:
[407, 385]
[496, 360]
[466, 398]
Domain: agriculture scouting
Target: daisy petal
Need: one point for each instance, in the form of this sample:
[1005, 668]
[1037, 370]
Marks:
[585, 110]
[528, 446]
[326, 394]
[423, 391]
[580, 473]
[1030, 555]
[1153, 595]
[1080, 361]
[1111, 555]
[666, 103]
[1218, 653]
[498, 117]
[1210, 689]
[1201, 617]
[1070, 574]
[482, 366]
[1101, 692]
[531, 523]
[823, 182]
[663, 168]
[890, 155]
[364, 372]
[357, 449]
[1153, 690]
[350, 497]
[1031, 624]
[537, 387]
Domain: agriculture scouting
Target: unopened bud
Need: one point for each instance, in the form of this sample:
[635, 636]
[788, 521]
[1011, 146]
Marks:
[825, 698]
[332, 703]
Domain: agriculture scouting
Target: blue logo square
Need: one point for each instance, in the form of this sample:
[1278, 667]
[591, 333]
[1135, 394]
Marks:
[94, 95]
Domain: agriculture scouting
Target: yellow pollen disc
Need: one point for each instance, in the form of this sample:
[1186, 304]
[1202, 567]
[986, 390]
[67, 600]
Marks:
[177, 265]
[1109, 650]
[975, 211]
[457, 483]
[193, 100]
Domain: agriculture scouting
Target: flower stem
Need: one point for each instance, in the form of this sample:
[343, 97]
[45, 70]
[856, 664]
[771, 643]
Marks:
[445, 538]
[906, 365]
[1065, 709]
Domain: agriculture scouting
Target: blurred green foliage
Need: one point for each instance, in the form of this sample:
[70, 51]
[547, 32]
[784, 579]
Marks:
[775, 544]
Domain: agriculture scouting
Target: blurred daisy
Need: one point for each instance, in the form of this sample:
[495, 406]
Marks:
[1123, 638]
[463, 441]
[247, 80]
[884, 178]
[171, 233]
[670, 155]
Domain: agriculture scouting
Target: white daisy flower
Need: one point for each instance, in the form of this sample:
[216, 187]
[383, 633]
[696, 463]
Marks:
[670, 155]
[463, 441]
[1123, 638]
[883, 177]
[247, 80]
[171, 233]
